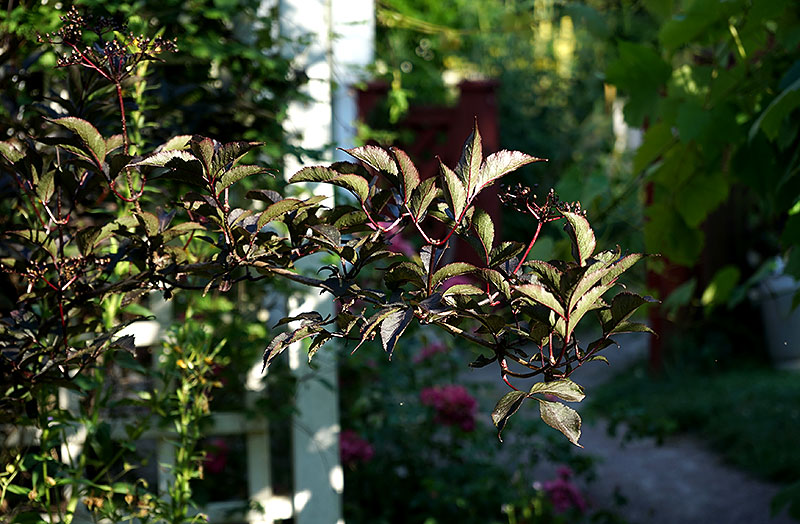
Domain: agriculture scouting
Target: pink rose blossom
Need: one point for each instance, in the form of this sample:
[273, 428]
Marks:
[453, 405]
[563, 493]
[429, 351]
[354, 449]
[217, 456]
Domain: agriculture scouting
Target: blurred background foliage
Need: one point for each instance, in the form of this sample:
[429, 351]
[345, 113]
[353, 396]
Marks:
[674, 122]
[712, 86]
[548, 57]
[232, 76]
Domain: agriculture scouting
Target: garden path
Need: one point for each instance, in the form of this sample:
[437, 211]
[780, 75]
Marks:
[678, 482]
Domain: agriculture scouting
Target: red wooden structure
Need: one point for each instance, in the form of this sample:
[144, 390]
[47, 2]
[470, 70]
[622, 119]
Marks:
[441, 131]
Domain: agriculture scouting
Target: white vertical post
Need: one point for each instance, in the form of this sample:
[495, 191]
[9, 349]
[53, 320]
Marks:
[342, 38]
[316, 468]
[352, 50]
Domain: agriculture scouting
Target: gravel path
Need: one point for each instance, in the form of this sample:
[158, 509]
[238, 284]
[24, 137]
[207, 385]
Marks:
[677, 482]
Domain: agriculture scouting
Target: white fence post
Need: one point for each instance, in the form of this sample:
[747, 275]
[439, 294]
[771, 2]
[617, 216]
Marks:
[342, 41]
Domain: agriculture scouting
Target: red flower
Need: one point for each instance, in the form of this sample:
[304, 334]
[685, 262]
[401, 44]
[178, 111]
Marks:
[430, 350]
[354, 449]
[217, 456]
[563, 493]
[453, 405]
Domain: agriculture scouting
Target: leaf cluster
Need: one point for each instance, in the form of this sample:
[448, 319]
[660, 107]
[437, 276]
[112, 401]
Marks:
[66, 257]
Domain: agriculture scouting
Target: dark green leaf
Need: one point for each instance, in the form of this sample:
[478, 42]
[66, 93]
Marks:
[667, 233]
[149, 221]
[354, 183]
[422, 197]
[496, 279]
[374, 322]
[451, 270]
[779, 109]
[203, 149]
[505, 252]
[181, 229]
[699, 17]
[622, 307]
[317, 343]
[454, 192]
[463, 289]
[228, 154]
[88, 134]
[656, 141]
[276, 210]
[330, 235]
[702, 194]
[235, 174]
[484, 227]
[540, 295]
[563, 418]
[46, 185]
[86, 238]
[410, 175]
[507, 406]
[405, 273]
[469, 165]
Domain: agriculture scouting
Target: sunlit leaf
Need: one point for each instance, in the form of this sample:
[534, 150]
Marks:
[539, 294]
[500, 164]
[393, 326]
[354, 183]
[454, 191]
[176, 142]
[422, 197]
[563, 418]
[375, 157]
[88, 134]
[236, 174]
[582, 236]
[453, 269]
[565, 389]
[10, 151]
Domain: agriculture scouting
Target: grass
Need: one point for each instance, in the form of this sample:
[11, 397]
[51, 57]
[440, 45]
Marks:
[751, 416]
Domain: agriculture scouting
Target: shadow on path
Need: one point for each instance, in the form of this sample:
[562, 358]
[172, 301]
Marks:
[678, 482]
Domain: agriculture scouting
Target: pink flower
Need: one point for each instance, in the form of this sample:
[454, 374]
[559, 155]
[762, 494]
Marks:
[453, 405]
[354, 449]
[563, 493]
[397, 243]
[429, 351]
[217, 456]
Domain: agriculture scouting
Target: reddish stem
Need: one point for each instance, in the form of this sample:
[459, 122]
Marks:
[530, 246]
